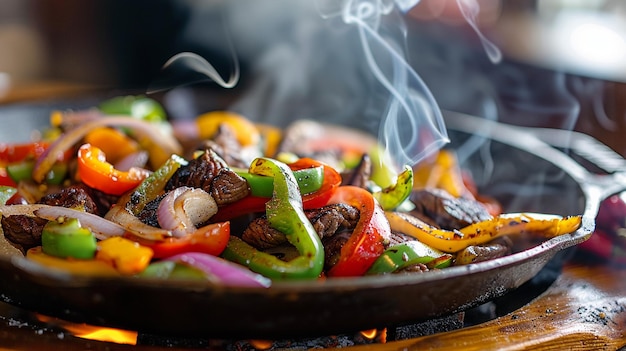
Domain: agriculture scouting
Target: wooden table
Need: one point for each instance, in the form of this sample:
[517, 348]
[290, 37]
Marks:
[585, 309]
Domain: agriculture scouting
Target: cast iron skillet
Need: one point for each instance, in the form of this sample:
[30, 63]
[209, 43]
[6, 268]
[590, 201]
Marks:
[518, 178]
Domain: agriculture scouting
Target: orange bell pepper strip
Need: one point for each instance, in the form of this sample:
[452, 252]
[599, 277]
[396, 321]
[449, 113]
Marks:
[96, 172]
[114, 143]
[210, 239]
[369, 237]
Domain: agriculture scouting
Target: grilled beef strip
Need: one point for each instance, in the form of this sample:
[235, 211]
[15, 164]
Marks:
[499, 247]
[442, 210]
[333, 223]
[359, 175]
[326, 221]
[25, 232]
[225, 144]
[211, 173]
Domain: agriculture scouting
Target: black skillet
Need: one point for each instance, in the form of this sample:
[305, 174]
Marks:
[521, 180]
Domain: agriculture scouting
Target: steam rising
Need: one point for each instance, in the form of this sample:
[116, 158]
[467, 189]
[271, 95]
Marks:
[470, 10]
[339, 62]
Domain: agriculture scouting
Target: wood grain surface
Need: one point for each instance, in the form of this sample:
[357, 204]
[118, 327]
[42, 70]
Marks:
[585, 309]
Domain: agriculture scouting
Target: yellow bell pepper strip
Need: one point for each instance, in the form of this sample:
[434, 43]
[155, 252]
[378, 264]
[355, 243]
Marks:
[127, 256]
[406, 254]
[391, 197]
[479, 233]
[246, 132]
[271, 137]
[285, 213]
[114, 143]
[309, 180]
[73, 266]
[442, 171]
[96, 172]
[65, 238]
[368, 239]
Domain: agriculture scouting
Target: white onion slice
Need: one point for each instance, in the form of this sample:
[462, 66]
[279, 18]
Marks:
[20, 210]
[102, 228]
[137, 159]
[120, 215]
[165, 141]
[183, 208]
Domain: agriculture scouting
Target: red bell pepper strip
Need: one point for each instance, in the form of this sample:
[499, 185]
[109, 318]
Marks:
[97, 173]
[210, 239]
[5, 179]
[16, 152]
[256, 204]
[369, 237]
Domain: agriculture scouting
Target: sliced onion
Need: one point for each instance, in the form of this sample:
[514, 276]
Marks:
[137, 159]
[102, 228]
[226, 272]
[183, 208]
[120, 215]
[20, 210]
[166, 142]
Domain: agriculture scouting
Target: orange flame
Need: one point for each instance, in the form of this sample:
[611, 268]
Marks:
[379, 335]
[261, 344]
[85, 331]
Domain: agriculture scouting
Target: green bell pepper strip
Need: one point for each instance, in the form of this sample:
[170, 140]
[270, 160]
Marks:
[6, 192]
[285, 213]
[139, 107]
[66, 238]
[24, 170]
[173, 271]
[151, 187]
[309, 180]
[406, 254]
[391, 197]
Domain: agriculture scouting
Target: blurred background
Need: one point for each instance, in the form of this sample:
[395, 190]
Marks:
[558, 63]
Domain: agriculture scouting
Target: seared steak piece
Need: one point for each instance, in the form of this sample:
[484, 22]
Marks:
[25, 232]
[330, 219]
[332, 248]
[198, 173]
[210, 173]
[360, 175]
[326, 221]
[22, 231]
[440, 209]
[496, 248]
[76, 197]
[148, 214]
[228, 187]
[225, 144]
[414, 268]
